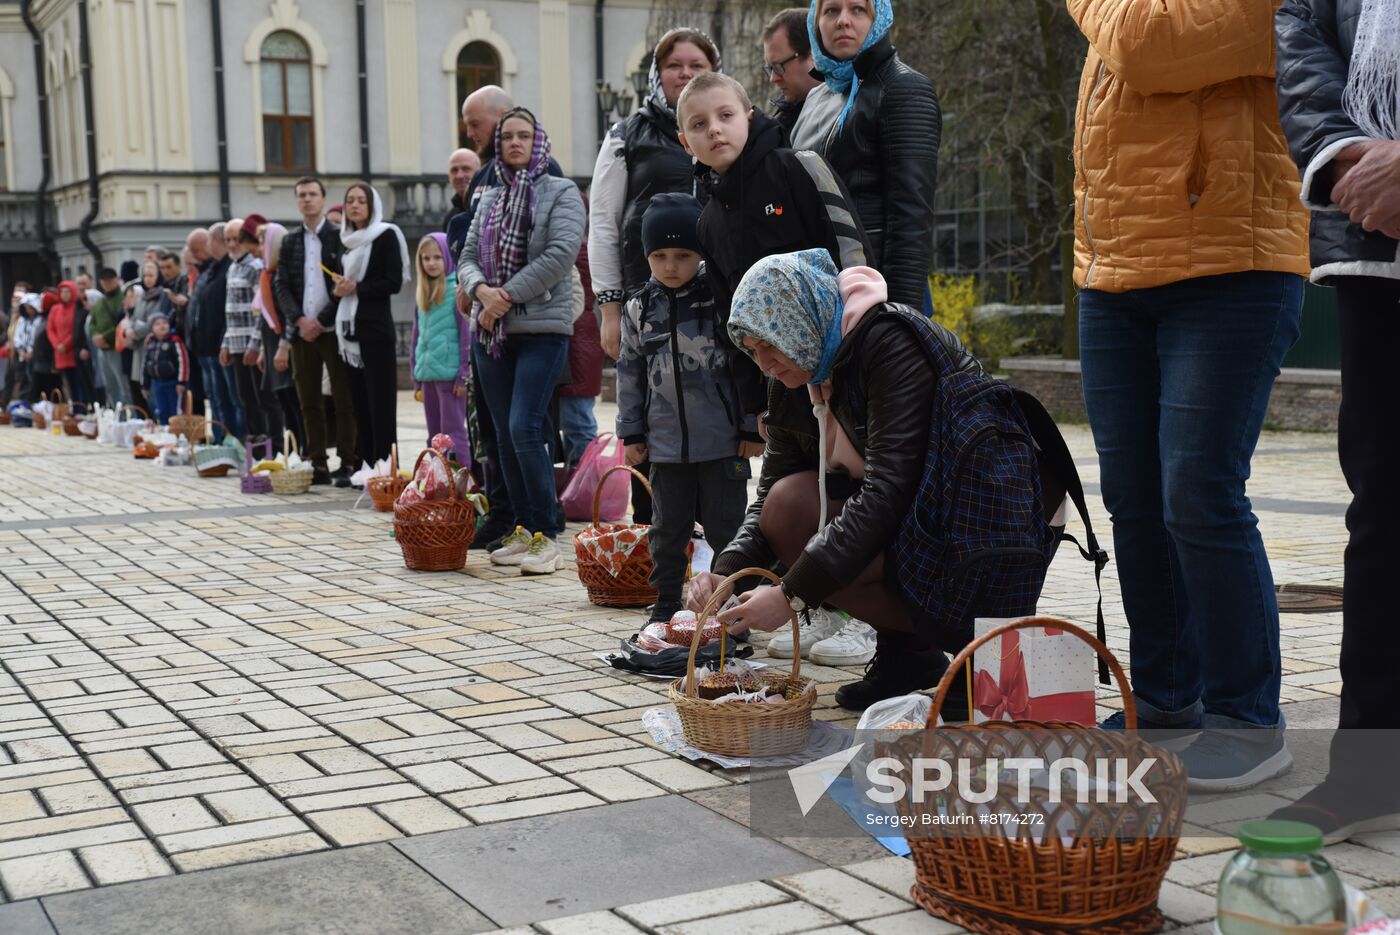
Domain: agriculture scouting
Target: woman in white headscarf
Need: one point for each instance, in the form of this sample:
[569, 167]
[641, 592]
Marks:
[374, 268]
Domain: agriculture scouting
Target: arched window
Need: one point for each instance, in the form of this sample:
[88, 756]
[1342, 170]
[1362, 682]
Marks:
[477, 66]
[286, 103]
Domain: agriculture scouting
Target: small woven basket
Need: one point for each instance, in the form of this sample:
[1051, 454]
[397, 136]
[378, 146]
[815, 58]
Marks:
[38, 420]
[215, 459]
[998, 880]
[288, 482]
[383, 491]
[255, 482]
[60, 408]
[70, 421]
[435, 535]
[736, 728]
[4, 417]
[630, 587]
[188, 424]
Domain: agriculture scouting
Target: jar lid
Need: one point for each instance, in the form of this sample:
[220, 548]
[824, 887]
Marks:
[1281, 837]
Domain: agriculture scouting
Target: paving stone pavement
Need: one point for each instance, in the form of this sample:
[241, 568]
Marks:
[223, 713]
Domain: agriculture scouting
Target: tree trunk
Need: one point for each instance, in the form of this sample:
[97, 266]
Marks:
[1062, 151]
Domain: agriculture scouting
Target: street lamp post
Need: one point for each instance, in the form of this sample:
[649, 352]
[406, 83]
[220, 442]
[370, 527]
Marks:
[612, 101]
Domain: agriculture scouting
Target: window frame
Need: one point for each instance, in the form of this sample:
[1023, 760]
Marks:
[484, 74]
[285, 121]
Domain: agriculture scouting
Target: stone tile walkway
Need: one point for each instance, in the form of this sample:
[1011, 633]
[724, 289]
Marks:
[194, 682]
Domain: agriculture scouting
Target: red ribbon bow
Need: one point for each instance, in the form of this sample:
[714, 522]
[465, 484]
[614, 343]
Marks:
[1009, 695]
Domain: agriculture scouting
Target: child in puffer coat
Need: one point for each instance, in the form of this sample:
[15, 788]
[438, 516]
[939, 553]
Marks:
[167, 368]
[440, 352]
[677, 403]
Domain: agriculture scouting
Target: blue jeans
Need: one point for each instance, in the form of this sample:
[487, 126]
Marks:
[222, 394]
[518, 386]
[166, 398]
[577, 423]
[1176, 383]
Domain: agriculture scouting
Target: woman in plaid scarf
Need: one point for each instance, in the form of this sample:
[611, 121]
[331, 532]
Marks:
[515, 269]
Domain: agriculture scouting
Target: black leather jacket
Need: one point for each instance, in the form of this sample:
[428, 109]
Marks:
[656, 164]
[887, 154]
[883, 387]
[1315, 40]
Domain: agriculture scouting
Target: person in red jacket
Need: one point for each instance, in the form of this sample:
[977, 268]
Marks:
[69, 342]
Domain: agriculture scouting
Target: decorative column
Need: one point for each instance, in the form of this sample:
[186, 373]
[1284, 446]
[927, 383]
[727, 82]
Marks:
[401, 58]
[555, 79]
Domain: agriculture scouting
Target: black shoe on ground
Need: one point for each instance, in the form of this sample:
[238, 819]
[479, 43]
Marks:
[900, 672]
[341, 477]
[490, 533]
[320, 477]
[663, 611]
[1342, 809]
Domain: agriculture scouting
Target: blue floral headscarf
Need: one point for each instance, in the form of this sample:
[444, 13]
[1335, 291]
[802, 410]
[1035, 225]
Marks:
[791, 301]
[840, 76]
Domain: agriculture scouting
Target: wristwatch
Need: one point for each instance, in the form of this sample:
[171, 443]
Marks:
[797, 604]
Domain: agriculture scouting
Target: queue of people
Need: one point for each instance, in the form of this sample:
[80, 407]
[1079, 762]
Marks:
[758, 279]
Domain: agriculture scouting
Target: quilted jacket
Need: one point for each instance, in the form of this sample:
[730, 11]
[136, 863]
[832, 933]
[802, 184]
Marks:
[1181, 166]
[1315, 39]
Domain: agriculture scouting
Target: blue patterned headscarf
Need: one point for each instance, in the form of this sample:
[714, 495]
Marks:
[840, 76]
[791, 301]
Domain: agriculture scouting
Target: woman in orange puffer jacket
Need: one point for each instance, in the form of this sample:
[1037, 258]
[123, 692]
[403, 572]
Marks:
[1191, 251]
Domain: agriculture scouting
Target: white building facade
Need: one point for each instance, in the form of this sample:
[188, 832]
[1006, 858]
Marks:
[141, 148]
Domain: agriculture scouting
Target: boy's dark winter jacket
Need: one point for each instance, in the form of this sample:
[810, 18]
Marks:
[675, 383]
[167, 359]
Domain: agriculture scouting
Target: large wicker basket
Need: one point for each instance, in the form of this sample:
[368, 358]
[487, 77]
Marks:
[187, 423]
[435, 535]
[738, 729]
[383, 491]
[216, 459]
[630, 587]
[997, 879]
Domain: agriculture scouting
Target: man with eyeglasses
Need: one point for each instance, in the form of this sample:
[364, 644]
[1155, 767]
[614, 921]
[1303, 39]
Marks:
[787, 61]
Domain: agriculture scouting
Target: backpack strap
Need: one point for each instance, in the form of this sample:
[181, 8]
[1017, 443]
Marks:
[1060, 463]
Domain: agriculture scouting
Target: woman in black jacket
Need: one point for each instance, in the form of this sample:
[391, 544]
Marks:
[872, 383]
[877, 122]
[374, 268]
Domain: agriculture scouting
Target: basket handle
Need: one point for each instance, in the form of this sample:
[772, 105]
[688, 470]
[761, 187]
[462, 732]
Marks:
[692, 690]
[965, 657]
[58, 396]
[188, 407]
[73, 408]
[289, 439]
[209, 431]
[451, 483]
[394, 459]
[598, 492]
[144, 414]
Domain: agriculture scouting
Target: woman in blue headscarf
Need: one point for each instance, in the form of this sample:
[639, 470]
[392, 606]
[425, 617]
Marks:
[860, 437]
[877, 122]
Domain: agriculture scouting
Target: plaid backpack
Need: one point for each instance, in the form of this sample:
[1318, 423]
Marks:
[978, 538]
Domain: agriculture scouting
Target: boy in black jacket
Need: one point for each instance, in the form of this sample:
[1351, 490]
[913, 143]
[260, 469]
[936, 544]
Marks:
[766, 199]
[167, 368]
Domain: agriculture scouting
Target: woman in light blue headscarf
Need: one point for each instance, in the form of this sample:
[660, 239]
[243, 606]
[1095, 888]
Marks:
[877, 122]
[844, 460]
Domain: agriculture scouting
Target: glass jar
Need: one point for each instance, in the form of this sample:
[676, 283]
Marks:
[1279, 883]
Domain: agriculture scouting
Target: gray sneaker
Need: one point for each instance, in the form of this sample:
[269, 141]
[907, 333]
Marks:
[513, 548]
[541, 557]
[1228, 757]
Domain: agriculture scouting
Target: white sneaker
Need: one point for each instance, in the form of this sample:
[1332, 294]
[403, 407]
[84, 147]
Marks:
[513, 548]
[824, 623]
[853, 645]
[541, 557]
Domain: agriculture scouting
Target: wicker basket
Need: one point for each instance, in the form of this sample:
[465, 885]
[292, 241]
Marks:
[998, 879]
[70, 421]
[435, 535]
[215, 459]
[291, 482]
[383, 491]
[746, 729]
[4, 417]
[250, 482]
[630, 587]
[60, 407]
[188, 424]
[38, 420]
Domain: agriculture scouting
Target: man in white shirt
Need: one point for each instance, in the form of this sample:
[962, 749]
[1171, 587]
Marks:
[303, 291]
